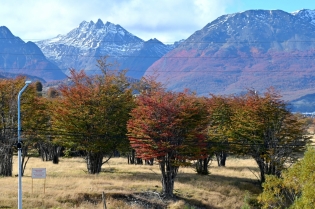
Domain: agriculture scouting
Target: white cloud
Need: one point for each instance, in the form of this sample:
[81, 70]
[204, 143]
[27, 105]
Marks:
[172, 20]
[165, 20]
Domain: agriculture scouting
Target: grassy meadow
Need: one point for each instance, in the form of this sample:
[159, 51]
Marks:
[67, 185]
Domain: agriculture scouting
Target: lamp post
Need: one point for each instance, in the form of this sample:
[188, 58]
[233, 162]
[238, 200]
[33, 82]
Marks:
[19, 146]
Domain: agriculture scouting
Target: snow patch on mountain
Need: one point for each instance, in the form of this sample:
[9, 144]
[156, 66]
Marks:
[306, 14]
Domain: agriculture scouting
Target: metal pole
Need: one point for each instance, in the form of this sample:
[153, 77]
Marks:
[19, 146]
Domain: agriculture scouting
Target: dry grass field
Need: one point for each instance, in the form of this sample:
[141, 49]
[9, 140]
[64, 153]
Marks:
[67, 185]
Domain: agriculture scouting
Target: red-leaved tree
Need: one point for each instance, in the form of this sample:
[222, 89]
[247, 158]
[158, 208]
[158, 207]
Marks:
[170, 127]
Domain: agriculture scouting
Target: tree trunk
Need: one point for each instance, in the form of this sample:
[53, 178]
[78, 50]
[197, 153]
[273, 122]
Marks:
[221, 158]
[94, 162]
[24, 156]
[169, 173]
[202, 166]
[43, 151]
[149, 162]
[267, 167]
[132, 157]
[261, 164]
[48, 151]
[139, 161]
[56, 153]
[6, 155]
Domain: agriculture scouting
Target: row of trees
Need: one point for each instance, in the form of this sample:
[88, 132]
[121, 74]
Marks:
[88, 114]
[99, 115]
[176, 128]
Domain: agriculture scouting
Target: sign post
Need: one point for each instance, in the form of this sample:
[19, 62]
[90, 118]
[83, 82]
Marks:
[39, 173]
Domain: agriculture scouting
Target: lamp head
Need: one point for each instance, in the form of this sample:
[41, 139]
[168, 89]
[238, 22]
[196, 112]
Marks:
[28, 82]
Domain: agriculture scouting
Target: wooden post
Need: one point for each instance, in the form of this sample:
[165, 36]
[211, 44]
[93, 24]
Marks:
[104, 200]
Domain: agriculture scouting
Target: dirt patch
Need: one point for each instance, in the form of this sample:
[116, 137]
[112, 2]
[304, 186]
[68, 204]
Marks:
[137, 200]
[155, 201]
[141, 200]
[145, 200]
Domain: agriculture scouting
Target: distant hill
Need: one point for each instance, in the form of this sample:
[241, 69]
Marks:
[304, 104]
[7, 75]
[19, 57]
[251, 49]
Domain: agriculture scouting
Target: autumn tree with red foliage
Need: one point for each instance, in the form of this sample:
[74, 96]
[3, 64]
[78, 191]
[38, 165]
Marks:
[170, 127]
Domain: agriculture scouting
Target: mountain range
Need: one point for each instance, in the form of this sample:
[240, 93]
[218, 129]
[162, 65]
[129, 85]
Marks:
[254, 49]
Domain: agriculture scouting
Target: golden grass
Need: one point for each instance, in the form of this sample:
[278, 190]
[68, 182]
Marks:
[69, 186]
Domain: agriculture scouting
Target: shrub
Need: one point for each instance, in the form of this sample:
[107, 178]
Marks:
[295, 189]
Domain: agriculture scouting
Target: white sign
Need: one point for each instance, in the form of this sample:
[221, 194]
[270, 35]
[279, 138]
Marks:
[38, 173]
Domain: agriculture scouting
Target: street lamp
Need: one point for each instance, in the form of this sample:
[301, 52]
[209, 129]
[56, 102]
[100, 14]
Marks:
[19, 146]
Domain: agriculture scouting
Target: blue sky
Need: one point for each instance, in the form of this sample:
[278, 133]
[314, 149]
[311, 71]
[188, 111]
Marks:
[166, 20]
[285, 5]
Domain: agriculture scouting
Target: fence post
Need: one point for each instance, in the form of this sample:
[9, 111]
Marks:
[104, 200]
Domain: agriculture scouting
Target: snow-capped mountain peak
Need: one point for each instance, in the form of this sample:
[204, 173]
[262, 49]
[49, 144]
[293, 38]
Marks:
[98, 27]
[306, 14]
[90, 35]
[80, 48]
[105, 38]
[99, 24]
